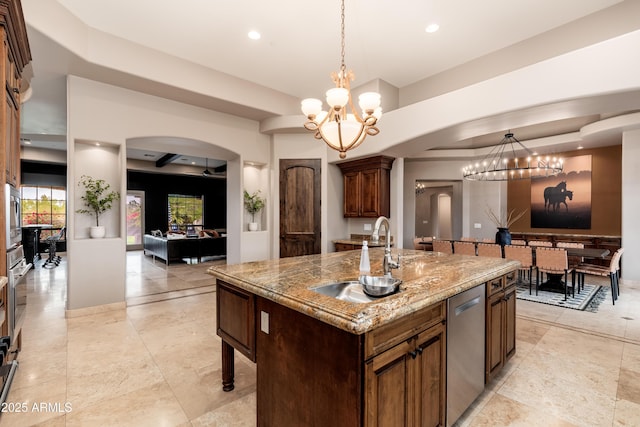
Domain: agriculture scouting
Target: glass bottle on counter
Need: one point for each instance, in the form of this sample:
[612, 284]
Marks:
[365, 266]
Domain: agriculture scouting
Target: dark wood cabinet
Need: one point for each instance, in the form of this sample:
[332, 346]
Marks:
[405, 385]
[14, 56]
[367, 186]
[500, 323]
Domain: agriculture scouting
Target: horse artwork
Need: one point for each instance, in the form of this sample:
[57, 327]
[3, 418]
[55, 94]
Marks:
[553, 205]
[553, 193]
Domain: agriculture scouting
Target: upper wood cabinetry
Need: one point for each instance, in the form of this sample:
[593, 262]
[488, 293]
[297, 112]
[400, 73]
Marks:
[15, 56]
[367, 184]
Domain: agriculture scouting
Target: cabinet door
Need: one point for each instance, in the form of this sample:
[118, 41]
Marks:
[431, 359]
[352, 194]
[370, 193]
[235, 312]
[510, 322]
[494, 335]
[389, 385]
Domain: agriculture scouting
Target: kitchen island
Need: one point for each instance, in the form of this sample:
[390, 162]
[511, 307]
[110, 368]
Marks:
[325, 361]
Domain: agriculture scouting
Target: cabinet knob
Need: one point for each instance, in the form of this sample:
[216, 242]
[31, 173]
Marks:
[413, 354]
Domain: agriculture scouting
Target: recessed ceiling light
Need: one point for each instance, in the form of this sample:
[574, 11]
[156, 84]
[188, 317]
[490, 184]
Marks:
[580, 147]
[432, 28]
[254, 35]
[97, 144]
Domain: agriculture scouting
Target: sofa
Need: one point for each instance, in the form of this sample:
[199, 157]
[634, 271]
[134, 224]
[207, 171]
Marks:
[177, 249]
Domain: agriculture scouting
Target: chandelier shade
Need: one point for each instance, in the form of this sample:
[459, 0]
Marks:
[341, 127]
[502, 163]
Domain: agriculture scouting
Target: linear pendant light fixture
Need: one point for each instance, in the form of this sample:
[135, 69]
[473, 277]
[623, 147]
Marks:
[339, 128]
[502, 164]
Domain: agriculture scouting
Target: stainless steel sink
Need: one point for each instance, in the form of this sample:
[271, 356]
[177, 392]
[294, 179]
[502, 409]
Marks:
[353, 290]
[350, 291]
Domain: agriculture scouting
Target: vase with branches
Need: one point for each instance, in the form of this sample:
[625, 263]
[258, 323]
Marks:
[503, 221]
[253, 203]
[98, 197]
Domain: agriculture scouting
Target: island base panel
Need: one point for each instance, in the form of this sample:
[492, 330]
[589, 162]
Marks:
[308, 372]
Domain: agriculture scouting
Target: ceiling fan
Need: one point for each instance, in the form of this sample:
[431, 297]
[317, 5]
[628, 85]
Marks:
[206, 171]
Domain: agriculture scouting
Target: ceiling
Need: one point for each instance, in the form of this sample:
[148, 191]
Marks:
[298, 49]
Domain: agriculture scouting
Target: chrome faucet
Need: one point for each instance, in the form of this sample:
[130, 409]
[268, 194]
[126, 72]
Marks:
[387, 262]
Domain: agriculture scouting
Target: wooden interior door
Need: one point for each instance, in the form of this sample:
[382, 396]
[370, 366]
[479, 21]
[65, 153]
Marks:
[299, 207]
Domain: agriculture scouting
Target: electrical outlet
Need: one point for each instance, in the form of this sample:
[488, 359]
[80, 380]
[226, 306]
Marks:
[367, 227]
[264, 322]
[477, 225]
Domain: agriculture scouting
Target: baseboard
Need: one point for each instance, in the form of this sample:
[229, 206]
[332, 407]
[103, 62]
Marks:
[97, 309]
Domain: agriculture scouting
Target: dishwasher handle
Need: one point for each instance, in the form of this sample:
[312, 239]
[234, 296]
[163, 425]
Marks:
[466, 306]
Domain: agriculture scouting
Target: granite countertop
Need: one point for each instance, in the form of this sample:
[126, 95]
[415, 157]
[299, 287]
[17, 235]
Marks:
[3, 281]
[428, 278]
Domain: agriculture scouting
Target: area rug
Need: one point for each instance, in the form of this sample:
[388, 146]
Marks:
[588, 299]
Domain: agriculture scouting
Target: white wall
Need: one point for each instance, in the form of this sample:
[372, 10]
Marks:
[630, 205]
[100, 112]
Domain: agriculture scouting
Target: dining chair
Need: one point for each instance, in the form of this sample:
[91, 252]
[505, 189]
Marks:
[612, 270]
[524, 254]
[488, 240]
[443, 246]
[417, 245]
[540, 243]
[490, 250]
[573, 260]
[553, 261]
[464, 248]
[468, 239]
[518, 242]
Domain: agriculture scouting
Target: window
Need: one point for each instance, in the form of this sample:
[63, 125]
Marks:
[185, 210]
[44, 205]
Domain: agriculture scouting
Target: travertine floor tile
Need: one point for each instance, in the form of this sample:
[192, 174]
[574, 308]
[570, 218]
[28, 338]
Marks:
[502, 411]
[157, 362]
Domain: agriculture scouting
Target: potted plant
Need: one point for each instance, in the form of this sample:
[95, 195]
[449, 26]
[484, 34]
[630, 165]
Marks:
[503, 222]
[253, 203]
[98, 199]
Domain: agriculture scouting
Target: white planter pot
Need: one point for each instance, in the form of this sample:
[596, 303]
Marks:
[253, 226]
[98, 232]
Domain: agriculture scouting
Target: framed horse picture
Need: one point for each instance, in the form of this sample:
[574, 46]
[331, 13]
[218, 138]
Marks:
[563, 200]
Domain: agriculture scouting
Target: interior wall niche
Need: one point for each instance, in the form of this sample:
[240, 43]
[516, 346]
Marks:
[436, 205]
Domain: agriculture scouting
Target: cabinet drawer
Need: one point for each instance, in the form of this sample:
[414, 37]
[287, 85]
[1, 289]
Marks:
[395, 332]
[495, 285]
[510, 278]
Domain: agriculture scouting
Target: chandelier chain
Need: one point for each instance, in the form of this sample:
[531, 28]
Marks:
[343, 68]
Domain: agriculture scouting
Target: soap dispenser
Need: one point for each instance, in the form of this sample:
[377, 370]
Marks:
[365, 267]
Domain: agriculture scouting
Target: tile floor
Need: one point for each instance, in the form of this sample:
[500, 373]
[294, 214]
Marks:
[157, 362]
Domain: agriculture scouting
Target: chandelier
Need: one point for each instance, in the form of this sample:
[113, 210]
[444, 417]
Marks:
[502, 164]
[342, 128]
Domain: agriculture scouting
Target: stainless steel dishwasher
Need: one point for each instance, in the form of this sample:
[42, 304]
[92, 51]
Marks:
[465, 350]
